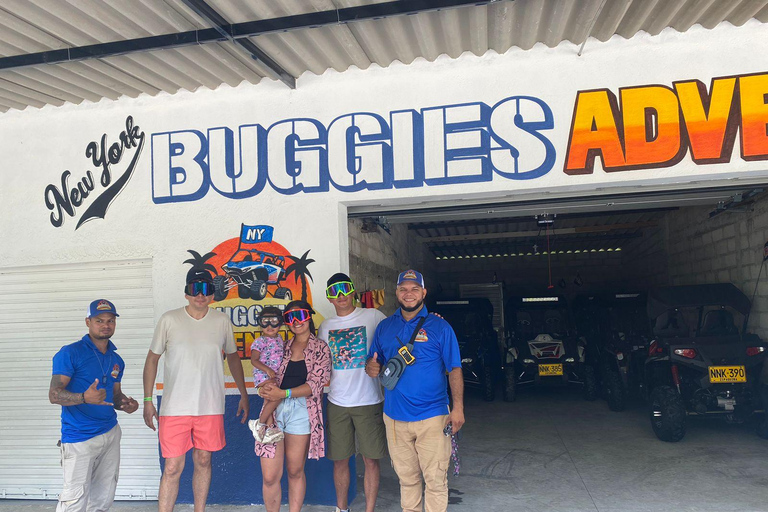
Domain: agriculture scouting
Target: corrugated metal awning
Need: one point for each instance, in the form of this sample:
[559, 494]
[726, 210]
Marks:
[286, 36]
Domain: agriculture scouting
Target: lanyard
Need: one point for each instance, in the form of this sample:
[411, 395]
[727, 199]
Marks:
[103, 372]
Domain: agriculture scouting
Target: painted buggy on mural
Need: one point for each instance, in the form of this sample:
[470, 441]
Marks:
[472, 321]
[542, 347]
[253, 273]
[701, 361]
[616, 328]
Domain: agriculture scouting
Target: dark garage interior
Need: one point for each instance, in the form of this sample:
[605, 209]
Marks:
[590, 457]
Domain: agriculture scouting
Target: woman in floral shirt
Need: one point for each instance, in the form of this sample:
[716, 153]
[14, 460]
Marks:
[305, 370]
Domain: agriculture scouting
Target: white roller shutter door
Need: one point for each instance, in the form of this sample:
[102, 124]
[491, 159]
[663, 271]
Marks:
[43, 308]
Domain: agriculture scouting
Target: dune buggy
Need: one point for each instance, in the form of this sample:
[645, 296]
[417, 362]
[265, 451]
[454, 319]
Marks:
[701, 362]
[542, 348]
[253, 272]
[472, 321]
[616, 327]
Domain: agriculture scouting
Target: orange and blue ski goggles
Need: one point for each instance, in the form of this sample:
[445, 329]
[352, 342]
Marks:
[344, 288]
[297, 316]
[197, 287]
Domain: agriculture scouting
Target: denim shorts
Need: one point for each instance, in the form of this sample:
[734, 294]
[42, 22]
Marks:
[292, 416]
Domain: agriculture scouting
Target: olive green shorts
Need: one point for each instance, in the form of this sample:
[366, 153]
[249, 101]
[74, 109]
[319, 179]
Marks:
[365, 422]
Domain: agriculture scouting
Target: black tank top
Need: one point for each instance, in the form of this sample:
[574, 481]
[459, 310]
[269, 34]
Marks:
[295, 375]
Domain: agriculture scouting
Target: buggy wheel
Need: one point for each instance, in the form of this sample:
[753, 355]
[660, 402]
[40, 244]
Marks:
[258, 289]
[667, 414]
[590, 383]
[219, 288]
[489, 390]
[614, 388]
[509, 384]
[243, 291]
[283, 293]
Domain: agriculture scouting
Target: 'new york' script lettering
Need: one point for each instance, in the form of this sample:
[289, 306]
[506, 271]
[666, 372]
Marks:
[64, 202]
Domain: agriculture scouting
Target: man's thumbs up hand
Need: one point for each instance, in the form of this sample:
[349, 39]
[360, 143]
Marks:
[95, 396]
[373, 367]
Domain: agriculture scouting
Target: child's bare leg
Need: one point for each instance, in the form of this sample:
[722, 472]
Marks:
[265, 417]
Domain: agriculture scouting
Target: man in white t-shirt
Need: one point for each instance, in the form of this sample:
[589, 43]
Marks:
[192, 411]
[355, 400]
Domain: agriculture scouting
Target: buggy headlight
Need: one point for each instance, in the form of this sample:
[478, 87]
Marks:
[467, 360]
[528, 361]
[569, 360]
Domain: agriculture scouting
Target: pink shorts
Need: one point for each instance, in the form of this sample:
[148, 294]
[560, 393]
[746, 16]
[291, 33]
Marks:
[179, 434]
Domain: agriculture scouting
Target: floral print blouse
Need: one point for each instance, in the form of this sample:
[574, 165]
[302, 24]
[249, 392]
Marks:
[317, 357]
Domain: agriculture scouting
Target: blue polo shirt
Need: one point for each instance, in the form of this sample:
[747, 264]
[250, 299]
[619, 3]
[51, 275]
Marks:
[422, 391]
[83, 363]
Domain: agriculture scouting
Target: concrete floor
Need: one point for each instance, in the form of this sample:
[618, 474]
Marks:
[552, 451]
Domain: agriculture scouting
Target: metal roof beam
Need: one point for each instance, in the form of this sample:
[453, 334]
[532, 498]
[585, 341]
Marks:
[348, 15]
[235, 32]
[528, 234]
[223, 27]
[531, 220]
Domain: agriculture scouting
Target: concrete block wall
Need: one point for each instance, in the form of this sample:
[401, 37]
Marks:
[644, 261]
[725, 248]
[377, 257]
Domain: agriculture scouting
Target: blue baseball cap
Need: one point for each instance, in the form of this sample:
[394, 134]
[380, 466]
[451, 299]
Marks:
[411, 275]
[100, 306]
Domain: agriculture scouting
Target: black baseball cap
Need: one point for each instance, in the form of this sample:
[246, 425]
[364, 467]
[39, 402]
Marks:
[338, 278]
[199, 275]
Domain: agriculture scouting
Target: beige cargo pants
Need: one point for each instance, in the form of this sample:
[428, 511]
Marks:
[420, 452]
[91, 469]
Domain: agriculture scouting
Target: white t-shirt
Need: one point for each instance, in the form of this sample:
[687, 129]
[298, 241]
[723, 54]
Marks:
[349, 338]
[194, 368]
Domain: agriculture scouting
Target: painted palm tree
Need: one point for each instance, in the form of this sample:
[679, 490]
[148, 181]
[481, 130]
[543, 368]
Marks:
[201, 262]
[300, 272]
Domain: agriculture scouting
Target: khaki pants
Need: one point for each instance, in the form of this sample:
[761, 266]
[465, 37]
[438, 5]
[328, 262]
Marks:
[90, 473]
[419, 448]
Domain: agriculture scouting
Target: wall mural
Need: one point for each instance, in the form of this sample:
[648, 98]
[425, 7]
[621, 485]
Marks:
[644, 127]
[250, 272]
[654, 126]
[65, 201]
[440, 145]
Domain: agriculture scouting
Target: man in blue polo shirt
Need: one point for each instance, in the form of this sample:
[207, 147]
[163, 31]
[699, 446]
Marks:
[416, 411]
[86, 383]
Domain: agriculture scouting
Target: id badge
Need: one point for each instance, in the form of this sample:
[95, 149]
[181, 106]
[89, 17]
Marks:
[406, 355]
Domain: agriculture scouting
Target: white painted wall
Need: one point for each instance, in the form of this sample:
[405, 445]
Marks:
[38, 145]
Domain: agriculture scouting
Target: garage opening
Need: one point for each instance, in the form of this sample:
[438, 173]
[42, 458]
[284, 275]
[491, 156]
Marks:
[620, 246]
[569, 249]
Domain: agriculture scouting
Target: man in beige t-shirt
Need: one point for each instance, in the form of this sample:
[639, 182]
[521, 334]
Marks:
[192, 413]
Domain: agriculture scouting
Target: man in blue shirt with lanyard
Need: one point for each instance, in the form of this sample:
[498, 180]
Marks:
[86, 383]
[416, 411]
